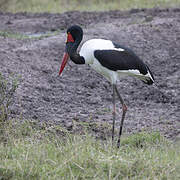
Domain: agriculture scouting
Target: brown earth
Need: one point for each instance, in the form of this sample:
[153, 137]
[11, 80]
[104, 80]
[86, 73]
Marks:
[81, 94]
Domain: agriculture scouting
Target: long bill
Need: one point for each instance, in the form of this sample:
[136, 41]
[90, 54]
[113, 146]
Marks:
[64, 61]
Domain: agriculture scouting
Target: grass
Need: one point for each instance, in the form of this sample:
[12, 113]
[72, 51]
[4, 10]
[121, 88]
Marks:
[59, 6]
[30, 151]
[8, 34]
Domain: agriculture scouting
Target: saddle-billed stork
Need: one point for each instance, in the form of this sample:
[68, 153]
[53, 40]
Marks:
[109, 59]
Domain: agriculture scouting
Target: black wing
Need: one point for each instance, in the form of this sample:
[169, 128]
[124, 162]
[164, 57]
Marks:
[120, 60]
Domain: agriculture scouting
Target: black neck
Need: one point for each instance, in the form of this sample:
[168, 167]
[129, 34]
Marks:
[77, 59]
[71, 48]
[75, 46]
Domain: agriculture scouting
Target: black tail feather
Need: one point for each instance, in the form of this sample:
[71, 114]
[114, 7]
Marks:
[150, 72]
[148, 81]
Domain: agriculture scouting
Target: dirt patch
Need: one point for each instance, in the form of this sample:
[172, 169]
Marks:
[83, 95]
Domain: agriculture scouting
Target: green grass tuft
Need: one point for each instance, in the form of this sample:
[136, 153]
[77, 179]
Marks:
[41, 152]
[142, 139]
[8, 34]
[60, 6]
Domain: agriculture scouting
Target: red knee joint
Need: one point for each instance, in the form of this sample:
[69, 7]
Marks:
[124, 108]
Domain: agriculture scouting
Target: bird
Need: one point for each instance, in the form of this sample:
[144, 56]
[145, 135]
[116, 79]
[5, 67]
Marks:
[109, 59]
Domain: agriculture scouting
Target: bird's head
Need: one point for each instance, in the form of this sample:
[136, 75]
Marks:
[74, 37]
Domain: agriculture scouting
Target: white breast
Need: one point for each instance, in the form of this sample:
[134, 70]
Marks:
[87, 51]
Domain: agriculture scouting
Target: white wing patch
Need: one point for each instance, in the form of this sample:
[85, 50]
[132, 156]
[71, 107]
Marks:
[130, 72]
[135, 72]
[118, 49]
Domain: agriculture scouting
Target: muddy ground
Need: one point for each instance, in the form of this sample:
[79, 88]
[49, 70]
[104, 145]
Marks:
[81, 94]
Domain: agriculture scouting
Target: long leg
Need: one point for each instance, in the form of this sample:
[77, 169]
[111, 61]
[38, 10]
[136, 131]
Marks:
[124, 108]
[114, 111]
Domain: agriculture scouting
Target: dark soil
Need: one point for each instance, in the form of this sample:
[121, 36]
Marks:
[83, 95]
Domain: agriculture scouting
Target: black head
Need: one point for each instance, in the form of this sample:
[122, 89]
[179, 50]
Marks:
[76, 32]
[74, 37]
